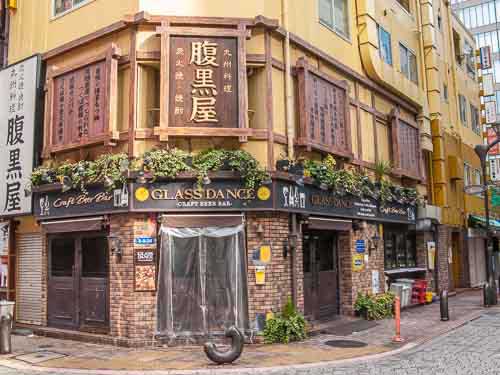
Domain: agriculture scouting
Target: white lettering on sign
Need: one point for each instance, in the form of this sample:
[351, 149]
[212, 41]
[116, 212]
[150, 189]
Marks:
[293, 197]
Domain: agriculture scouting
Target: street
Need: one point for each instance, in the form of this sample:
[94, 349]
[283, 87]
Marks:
[471, 349]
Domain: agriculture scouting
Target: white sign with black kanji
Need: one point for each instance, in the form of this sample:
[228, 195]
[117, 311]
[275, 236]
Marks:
[18, 91]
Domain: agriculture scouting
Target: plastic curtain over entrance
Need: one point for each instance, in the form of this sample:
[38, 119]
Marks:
[201, 281]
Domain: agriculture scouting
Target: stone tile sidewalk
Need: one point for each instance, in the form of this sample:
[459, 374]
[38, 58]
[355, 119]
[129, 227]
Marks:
[418, 324]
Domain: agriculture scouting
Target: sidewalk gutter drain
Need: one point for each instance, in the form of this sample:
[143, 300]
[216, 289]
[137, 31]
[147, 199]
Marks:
[345, 344]
[39, 357]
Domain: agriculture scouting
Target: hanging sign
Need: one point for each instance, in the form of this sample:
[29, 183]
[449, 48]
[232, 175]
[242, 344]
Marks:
[145, 234]
[358, 262]
[20, 84]
[488, 85]
[360, 246]
[431, 254]
[490, 110]
[375, 282]
[485, 57]
[95, 200]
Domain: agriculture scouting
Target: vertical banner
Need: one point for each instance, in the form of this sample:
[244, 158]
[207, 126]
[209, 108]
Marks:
[145, 255]
[18, 96]
[485, 57]
[488, 85]
[490, 112]
[4, 254]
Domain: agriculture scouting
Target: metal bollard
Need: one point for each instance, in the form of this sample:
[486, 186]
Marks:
[493, 291]
[397, 317]
[5, 334]
[486, 297]
[443, 306]
[237, 342]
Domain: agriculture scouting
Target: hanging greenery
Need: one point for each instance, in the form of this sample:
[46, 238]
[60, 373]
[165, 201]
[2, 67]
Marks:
[110, 169]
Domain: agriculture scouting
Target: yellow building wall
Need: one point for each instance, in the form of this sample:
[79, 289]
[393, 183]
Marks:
[34, 29]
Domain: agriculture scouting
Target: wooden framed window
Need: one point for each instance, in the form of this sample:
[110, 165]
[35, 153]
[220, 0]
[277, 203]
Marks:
[384, 45]
[334, 14]
[462, 105]
[81, 103]
[405, 4]
[61, 7]
[203, 82]
[324, 112]
[406, 147]
[474, 116]
[408, 63]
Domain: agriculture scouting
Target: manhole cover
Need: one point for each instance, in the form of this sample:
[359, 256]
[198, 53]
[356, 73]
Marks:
[345, 344]
[39, 357]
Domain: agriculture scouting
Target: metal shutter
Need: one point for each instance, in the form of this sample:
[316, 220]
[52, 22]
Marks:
[29, 278]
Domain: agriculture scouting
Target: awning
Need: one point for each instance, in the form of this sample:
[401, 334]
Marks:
[201, 221]
[480, 222]
[323, 223]
[90, 224]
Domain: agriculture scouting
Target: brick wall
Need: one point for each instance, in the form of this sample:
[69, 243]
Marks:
[273, 295]
[132, 314]
[422, 258]
[351, 281]
[443, 269]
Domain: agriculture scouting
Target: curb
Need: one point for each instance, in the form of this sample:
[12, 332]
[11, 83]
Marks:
[243, 370]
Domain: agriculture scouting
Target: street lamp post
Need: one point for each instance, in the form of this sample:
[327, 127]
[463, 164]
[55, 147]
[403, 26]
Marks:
[482, 151]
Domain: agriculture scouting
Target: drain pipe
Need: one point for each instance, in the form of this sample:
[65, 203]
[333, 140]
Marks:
[289, 117]
[288, 82]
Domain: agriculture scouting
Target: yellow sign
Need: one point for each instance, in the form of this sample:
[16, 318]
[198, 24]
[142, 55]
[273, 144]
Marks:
[141, 194]
[358, 263]
[264, 193]
[260, 275]
[265, 254]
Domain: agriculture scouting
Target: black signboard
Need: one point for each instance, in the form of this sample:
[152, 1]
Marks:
[96, 200]
[310, 199]
[228, 195]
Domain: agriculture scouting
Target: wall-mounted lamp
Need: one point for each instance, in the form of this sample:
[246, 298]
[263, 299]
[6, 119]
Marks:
[259, 229]
[289, 244]
[115, 247]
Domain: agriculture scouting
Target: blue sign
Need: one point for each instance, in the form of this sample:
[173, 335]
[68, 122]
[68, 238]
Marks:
[360, 246]
[144, 241]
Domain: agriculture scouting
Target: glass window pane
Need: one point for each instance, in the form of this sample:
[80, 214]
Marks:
[62, 257]
[95, 257]
[403, 56]
[473, 17]
[479, 12]
[491, 12]
[385, 45]
[341, 17]
[497, 71]
[494, 41]
[326, 12]
[497, 8]
[485, 14]
[413, 67]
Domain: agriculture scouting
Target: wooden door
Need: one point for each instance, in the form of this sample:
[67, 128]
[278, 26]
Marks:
[320, 275]
[93, 303]
[62, 307]
[326, 253]
[78, 282]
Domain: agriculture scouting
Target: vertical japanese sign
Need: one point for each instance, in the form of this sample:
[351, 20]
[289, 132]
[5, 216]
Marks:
[79, 104]
[203, 80]
[19, 85]
[485, 57]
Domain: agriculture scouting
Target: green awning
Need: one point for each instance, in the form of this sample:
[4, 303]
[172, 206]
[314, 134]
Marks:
[480, 222]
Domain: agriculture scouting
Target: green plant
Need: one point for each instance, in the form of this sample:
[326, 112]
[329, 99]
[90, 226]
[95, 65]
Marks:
[165, 163]
[287, 327]
[382, 168]
[375, 307]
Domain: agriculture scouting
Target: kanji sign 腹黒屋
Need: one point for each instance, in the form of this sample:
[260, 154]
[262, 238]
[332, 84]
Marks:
[19, 85]
[203, 82]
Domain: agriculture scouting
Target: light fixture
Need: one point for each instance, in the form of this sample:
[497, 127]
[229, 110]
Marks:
[115, 246]
[108, 182]
[81, 169]
[67, 184]
[124, 164]
[300, 181]
[267, 181]
[323, 186]
[206, 180]
[141, 178]
[260, 229]
[27, 190]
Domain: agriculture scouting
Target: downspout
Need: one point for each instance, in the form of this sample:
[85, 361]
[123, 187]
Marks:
[290, 137]
[288, 82]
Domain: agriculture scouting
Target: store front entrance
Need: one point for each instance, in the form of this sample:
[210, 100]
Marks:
[320, 274]
[78, 282]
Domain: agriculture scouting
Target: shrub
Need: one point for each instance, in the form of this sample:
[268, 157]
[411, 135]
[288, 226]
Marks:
[290, 325]
[375, 307]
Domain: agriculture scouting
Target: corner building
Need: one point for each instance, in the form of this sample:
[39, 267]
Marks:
[364, 81]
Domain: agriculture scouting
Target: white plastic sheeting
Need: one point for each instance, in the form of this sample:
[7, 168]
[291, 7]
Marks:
[202, 285]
